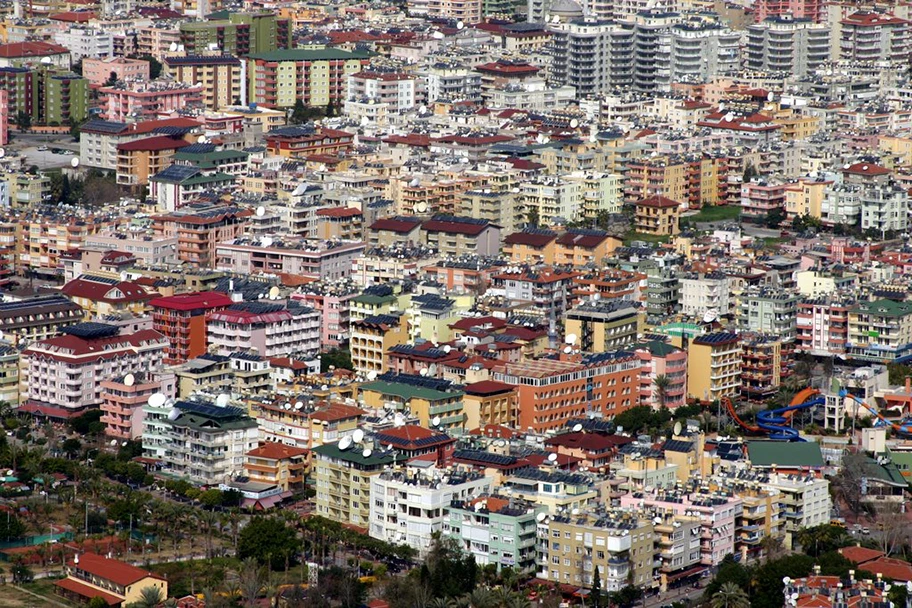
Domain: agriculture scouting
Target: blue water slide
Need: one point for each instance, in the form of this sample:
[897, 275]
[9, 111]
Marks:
[776, 423]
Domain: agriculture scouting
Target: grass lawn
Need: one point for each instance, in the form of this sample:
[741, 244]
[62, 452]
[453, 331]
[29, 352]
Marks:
[718, 213]
[648, 238]
[11, 597]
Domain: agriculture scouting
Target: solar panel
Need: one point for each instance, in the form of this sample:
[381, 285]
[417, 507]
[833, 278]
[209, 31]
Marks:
[177, 173]
[198, 149]
[209, 410]
[91, 330]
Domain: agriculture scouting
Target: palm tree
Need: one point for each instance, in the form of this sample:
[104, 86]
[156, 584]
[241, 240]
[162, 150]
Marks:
[661, 384]
[730, 595]
[463, 601]
[438, 602]
[517, 600]
[149, 597]
[482, 598]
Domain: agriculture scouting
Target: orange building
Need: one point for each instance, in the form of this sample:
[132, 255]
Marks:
[340, 223]
[200, 228]
[580, 247]
[122, 402]
[139, 160]
[182, 319]
[553, 391]
[609, 284]
[531, 246]
[278, 464]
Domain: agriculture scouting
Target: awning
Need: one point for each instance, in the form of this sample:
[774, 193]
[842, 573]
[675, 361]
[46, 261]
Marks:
[264, 503]
[87, 591]
[684, 574]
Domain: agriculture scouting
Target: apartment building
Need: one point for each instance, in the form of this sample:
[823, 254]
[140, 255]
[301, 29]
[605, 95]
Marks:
[372, 336]
[307, 140]
[823, 325]
[124, 398]
[102, 294]
[498, 208]
[496, 530]
[200, 228]
[660, 359]
[805, 502]
[99, 71]
[769, 311]
[720, 353]
[551, 392]
[657, 215]
[89, 576]
[330, 260]
[761, 365]
[705, 293]
[396, 90]
[873, 36]
[761, 197]
[146, 99]
[142, 159]
[407, 507]
[698, 49]
[35, 319]
[592, 56]
[270, 329]
[489, 402]
[207, 443]
[62, 375]
[619, 544]
[306, 426]
[603, 325]
[786, 44]
[434, 402]
[277, 464]
[182, 319]
[556, 491]
[316, 76]
[86, 42]
[219, 75]
[239, 34]
[545, 293]
[452, 235]
[343, 480]
[880, 330]
[98, 139]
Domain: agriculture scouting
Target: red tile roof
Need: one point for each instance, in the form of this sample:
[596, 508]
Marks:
[470, 322]
[31, 49]
[192, 301]
[276, 451]
[496, 431]
[98, 291]
[507, 68]
[487, 387]
[455, 227]
[73, 16]
[866, 169]
[587, 241]
[337, 411]
[406, 436]
[538, 239]
[866, 19]
[153, 144]
[288, 362]
[412, 139]
[402, 225]
[859, 555]
[113, 570]
[657, 201]
[68, 347]
[587, 441]
[87, 592]
[895, 569]
[339, 212]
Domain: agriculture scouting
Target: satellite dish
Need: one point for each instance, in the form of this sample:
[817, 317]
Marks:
[421, 207]
[447, 348]
[415, 182]
[174, 414]
[575, 511]
[266, 241]
[786, 580]
[173, 47]
[157, 400]
[367, 452]
[770, 96]
[113, 442]
[432, 369]
[222, 400]
[709, 316]
[358, 436]
[2, 152]
[460, 25]
[570, 339]
[435, 421]
[260, 211]
[540, 517]
[552, 457]
[372, 375]
[124, 443]
[574, 123]
[129, 380]
[423, 371]
[677, 428]
[398, 420]
[201, 139]
[299, 405]
[74, 162]
[568, 349]
[345, 443]
[287, 406]
[45, 61]
[577, 427]
[274, 292]
[10, 472]
[439, 35]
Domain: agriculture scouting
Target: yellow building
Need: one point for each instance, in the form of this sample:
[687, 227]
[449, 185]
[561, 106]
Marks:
[220, 76]
[118, 583]
[714, 366]
[101, 294]
[604, 325]
[435, 403]
[430, 315]
[26, 190]
[490, 402]
[554, 490]
[531, 246]
[805, 198]
[658, 216]
[898, 145]
[618, 543]
[343, 481]
[580, 247]
[372, 336]
[316, 76]
[377, 300]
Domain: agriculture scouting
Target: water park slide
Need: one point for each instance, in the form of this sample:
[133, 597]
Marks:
[776, 422]
[904, 427]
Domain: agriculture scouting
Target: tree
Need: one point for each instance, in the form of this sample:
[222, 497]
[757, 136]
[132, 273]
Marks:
[337, 357]
[112, 80]
[595, 592]
[155, 66]
[251, 578]
[11, 528]
[299, 113]
[774, 217]
[269, 541]
[23, 120]
[21, 573]
[730, 596]
[211, 498]
[627, 596]
[533, 217]
[661, 384]
[447, 572]
[97, 602]
[149, 597]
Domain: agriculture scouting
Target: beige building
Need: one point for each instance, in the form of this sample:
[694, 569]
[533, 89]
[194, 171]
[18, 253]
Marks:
[89, 575]
[220, 77]
[343, 481]
[720, 355]
[372, 336]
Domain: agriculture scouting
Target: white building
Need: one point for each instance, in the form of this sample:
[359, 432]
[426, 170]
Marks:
[86, 42]
[406, 507]
[784, 44]
[152, 250]
[395, 89]
[702, 293]
[805, 501]
[270, 329]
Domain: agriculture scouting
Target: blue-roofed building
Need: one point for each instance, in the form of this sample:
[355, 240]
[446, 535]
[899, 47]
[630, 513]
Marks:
[179, 184]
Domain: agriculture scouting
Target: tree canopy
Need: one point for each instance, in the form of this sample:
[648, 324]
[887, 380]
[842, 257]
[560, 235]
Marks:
[269, 541]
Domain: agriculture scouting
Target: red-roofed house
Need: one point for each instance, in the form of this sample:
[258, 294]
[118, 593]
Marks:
[400, 230]
[25, 54]
[90, 575]
[182, 320]
[531, 247]
[340, 223]
[271, 330]
[412, 442]
[657, 215]
[140, 159]
[453, 236]
[582, 247]
[103, 295]
[488, 403]
[278, 464]
[869, 36]
[63, 375]
[594, 450]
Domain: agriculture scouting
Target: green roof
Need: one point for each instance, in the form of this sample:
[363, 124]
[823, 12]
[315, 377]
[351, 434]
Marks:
[309, 55]
[355, 455]
[367, 298]
[887, 473]
[784, 454]
[210, 160]
[656, 347]
[885, 308]
[408, 391]
[208, 179]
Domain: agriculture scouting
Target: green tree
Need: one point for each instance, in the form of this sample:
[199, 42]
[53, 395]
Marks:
[155, 66]
[730, 596]
[595, 591]
[11, 528]
[211, 498]
[21, 573]
[23, 120]
[661, 384]
[447, 572]
[299, 114]
[627, 596]
[97, 602]
[71, 447]
[533, 217]
[337, 357]
[149, 597]
[898, 373]
[112, 80]
[270, 541]
[774, 217]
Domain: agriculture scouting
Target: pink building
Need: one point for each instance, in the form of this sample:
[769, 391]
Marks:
[270, 329]
[4, 117]
[146, 100]
[717, 515]
[662, 359]
[63, 375]
[760, 197]
[123, 400]
[799, 9]
[332, 302]
[98, 71]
